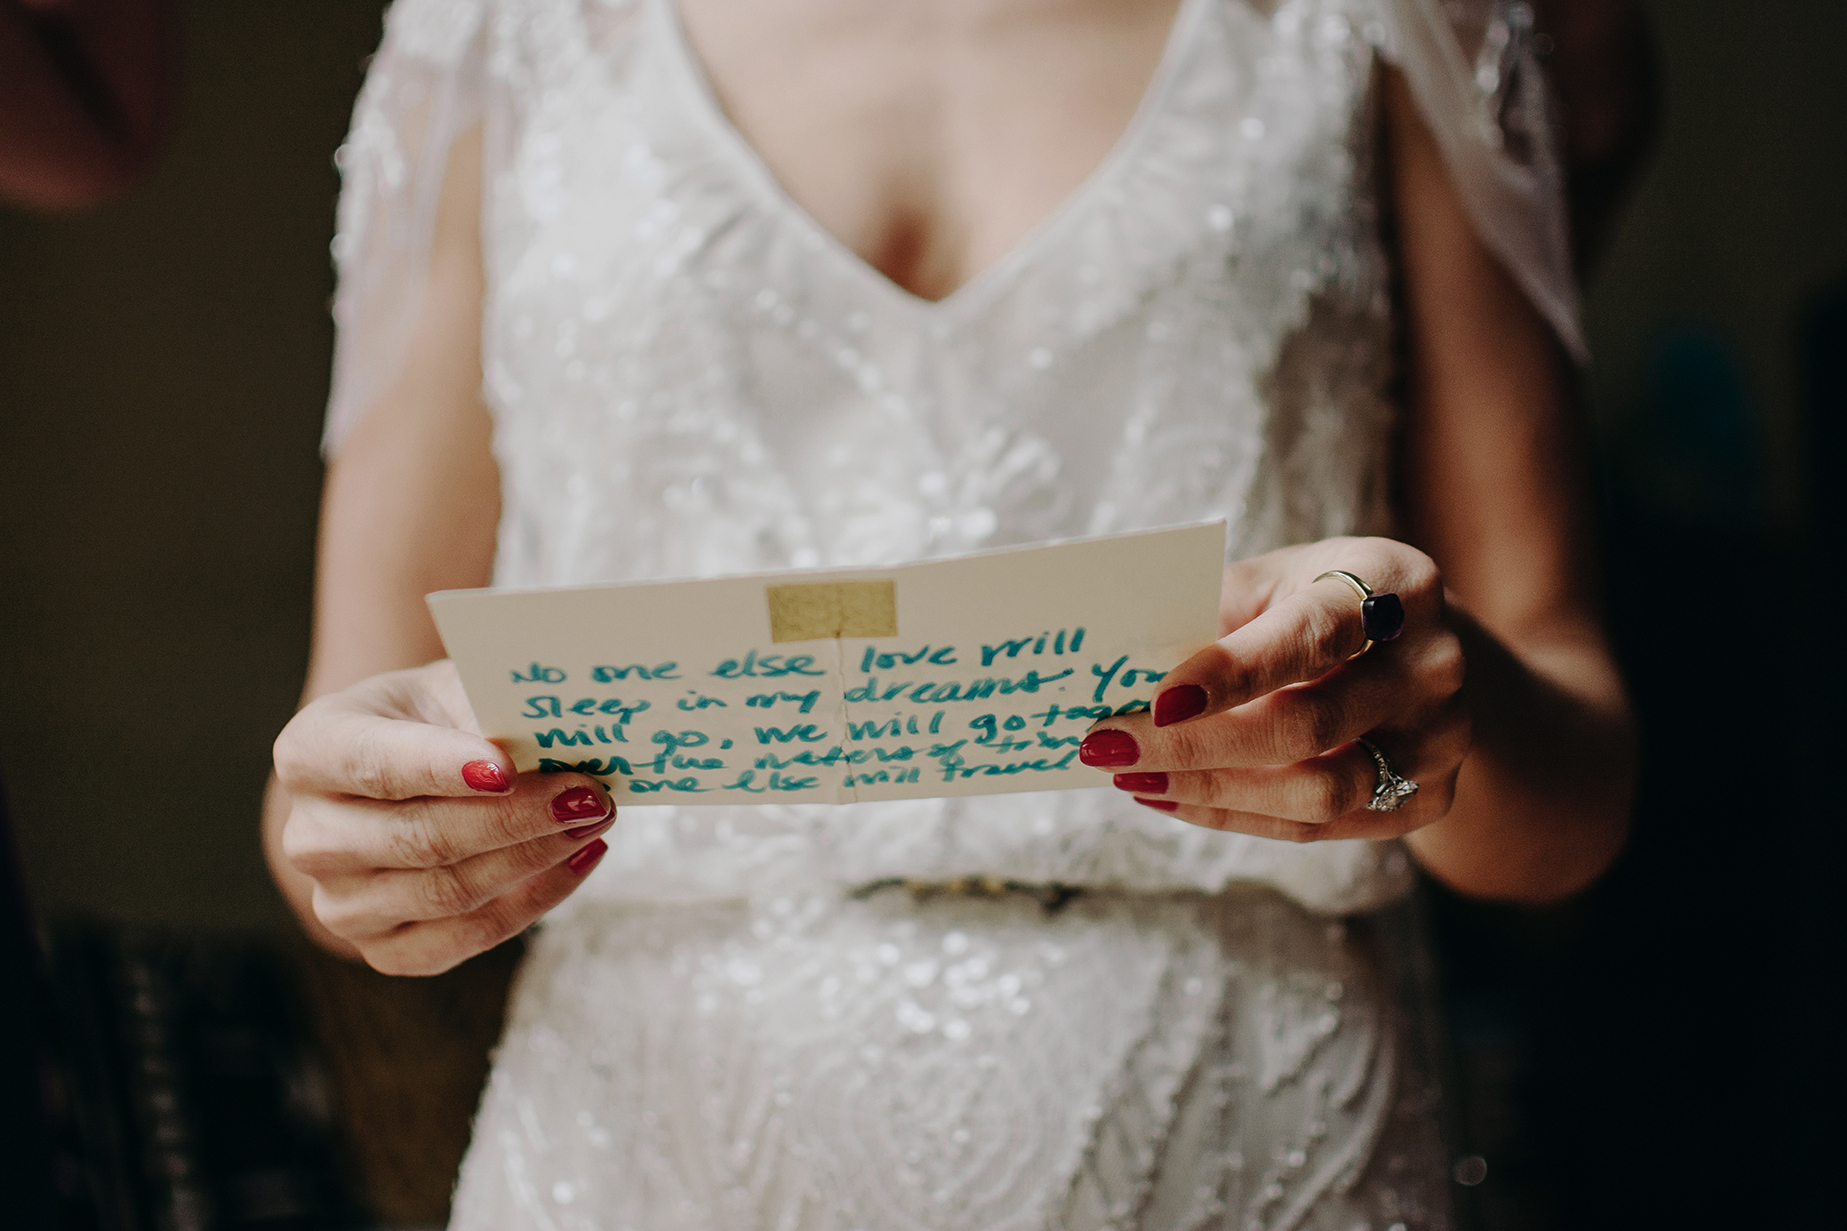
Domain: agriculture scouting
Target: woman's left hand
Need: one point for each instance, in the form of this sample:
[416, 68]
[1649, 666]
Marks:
[1259, 732]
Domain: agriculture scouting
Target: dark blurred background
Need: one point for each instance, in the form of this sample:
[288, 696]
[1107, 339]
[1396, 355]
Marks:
[1660, 1052]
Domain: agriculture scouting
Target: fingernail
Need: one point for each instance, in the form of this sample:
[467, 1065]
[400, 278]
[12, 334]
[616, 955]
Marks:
[1179, 703]
[580, 803]
[1159, 805]
[589, 831]
[1106, 749]
[486, 776]
[585, 859]
[1142, 784]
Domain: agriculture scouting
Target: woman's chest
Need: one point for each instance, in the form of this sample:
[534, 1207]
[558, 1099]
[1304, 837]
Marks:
[929, 138]
[623, 155]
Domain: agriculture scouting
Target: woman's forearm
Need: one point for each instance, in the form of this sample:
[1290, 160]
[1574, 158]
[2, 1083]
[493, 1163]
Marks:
[1543, 802]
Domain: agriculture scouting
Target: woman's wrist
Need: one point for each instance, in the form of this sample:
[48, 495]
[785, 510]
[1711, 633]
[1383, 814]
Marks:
[1543, 801]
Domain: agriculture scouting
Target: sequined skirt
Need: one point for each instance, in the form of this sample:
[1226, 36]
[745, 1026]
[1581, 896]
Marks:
[896, 1061]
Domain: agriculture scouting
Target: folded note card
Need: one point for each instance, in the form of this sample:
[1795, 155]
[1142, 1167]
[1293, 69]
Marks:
[949, 677]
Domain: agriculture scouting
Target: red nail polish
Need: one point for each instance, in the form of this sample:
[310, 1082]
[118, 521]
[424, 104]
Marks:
[580, 803]
[486, 776]
[1179, 703]
[1159, 805]
[589, 831]
[1108, 749]
[585, 859]
[1142, 784]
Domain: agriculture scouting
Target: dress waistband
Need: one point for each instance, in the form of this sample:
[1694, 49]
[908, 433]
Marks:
[1052, 896]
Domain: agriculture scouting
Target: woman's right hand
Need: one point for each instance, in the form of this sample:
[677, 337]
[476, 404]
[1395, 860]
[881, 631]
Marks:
[423, 847]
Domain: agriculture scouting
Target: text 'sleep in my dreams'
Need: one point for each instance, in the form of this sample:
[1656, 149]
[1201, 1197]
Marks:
[968, 676]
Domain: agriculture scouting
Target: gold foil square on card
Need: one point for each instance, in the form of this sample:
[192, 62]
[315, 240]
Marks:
[817, 611]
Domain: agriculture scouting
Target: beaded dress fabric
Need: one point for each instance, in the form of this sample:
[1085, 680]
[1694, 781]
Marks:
[724, 1028]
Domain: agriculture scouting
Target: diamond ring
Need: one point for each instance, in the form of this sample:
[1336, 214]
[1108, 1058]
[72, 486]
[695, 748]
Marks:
[1391, 792]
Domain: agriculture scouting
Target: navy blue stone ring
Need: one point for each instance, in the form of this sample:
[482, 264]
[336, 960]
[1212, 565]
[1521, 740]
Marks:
[1382, 615]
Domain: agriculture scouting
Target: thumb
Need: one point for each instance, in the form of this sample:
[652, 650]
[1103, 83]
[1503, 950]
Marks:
[356, 742]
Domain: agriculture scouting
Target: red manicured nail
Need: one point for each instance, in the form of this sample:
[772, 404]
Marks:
[589, 831]
[1179, 703]
[1142, 784]
[580, 803]
[585, 859]
[486, 776]
[1159, 805]
[1108, 749]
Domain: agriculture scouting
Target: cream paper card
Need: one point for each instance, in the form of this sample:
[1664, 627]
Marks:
[968, 676]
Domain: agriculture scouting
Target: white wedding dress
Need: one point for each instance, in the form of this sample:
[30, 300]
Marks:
[731, 1025]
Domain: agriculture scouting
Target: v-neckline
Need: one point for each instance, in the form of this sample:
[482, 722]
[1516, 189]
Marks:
[691, 77]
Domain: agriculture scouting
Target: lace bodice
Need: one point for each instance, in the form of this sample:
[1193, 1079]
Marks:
[688, 376]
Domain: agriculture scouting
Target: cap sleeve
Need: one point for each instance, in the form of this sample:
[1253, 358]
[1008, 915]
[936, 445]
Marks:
[422, 91]
[1470, 67]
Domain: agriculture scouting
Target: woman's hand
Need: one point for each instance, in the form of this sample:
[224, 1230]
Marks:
[423, 847]
[1258, 732]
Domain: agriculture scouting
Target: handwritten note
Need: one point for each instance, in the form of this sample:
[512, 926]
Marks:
[968, 676]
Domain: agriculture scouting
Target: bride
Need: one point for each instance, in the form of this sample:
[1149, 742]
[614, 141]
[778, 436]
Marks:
[632, 288]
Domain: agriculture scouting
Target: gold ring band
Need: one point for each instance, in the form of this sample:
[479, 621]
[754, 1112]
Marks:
[1358, 587]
